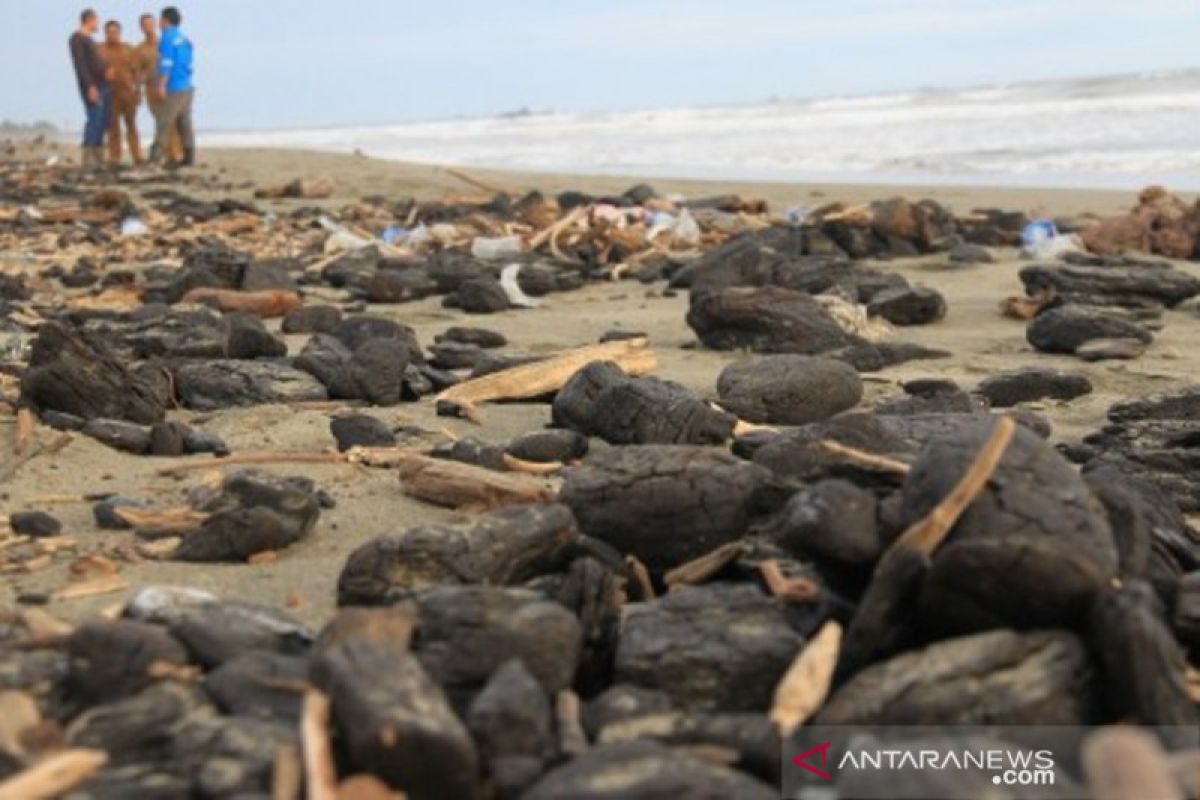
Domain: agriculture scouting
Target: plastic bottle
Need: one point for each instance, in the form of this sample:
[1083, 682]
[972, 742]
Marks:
[496, 247]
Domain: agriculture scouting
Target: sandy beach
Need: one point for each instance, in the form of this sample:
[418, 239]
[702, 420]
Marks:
[369, 502]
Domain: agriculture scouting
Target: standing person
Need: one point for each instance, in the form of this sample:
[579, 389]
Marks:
[92, 75]
[126, 93]
[146, 56]
[175, 88]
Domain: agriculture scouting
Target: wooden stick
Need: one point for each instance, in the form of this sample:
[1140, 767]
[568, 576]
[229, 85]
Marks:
[287, 776]
[641, 575]
[806, 684]
[546, 234]
[925, 536]
[514, 464]
[170, 521]
[568, 711]
[864, 459]
[53, 776]
[456, 485]
[471, 180]
[25, 425]
[318, 754]
[542, 377]
[255, 458]
[698, 570]
[790, 590]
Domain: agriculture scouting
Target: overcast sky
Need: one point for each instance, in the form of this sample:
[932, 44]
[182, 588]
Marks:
[294, 63]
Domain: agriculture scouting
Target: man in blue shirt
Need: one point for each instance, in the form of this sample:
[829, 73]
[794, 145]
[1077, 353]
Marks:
[174, 89]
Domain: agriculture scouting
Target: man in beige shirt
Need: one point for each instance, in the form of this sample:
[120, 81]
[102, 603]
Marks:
[126, 93]
[146, 56]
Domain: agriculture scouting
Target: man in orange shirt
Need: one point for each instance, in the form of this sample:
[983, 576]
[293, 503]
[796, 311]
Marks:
[146, 56]
[126, 93]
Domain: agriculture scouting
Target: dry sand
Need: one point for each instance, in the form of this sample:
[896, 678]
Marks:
[370, 503]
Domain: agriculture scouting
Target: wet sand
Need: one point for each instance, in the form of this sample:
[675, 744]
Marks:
[369, 501]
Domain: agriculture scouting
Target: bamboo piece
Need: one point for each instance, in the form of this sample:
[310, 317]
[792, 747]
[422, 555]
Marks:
[925, 536]
[805, 686]
[568, 713]
[789, 590]
[318, 754]
[53, 776]
[542, 377]
[25, 425]
[698, 570]
[287, 775]
[641, 575]
[864, 459]
[456, 485]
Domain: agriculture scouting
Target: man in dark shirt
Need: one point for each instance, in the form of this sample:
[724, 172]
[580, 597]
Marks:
[93, 76]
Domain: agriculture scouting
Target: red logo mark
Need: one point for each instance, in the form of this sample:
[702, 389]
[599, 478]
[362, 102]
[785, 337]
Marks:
[801, 760]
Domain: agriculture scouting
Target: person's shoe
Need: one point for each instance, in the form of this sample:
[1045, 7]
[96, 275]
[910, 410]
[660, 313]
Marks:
[189, 157]
[85, 158]
[156, 155]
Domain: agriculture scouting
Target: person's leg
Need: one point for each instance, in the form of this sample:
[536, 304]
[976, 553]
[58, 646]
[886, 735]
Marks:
[175, 146]
[92, 112]
[186, 134]
[164, 121]
[114, 137]
[131, 129]
[106, 100]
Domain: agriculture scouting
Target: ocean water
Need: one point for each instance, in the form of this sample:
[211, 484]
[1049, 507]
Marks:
[1123, 131]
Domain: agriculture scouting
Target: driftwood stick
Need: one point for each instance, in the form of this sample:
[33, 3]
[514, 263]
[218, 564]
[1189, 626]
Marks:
[864, 459]
[789, 590]
[805, 686]
[255, 458]
[514, 464]
[542, 377]
[925, 536]
[568, 712]
[701, 569]
[471, 180]
[25, 425]
[54, 776]
[548, 233]
[456, 485]
[318, 754]
[641, 575]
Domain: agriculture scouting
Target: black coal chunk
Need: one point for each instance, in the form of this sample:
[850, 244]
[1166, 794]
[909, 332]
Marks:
[545, 447]
[399, 286]
[1033, 383]
[754, 738]
[312, 319]
[394, 719]
[667, 504]
[1143, 665]
[1067, 328]
[1112, 285]
[908, 306]
[642, 410]
[248, 338]
[767, 320]
[70, 374]
[214, 385]
[111, 660]
[138, 728]
[376, 372]
[259, 683]
[230, 756]
[503, 547]
[621, 702]
[357, 330]
[360, 430]
[254, 512]
[481, 337]
[876, 356]
[645, 769]
[218, 631]
[718, 647]
[466, 632]
[930, 397]
[832, 520]
[996, 678]
[481, 296]
[789, 389]
[510, 720]
[37, 524]
[454, 355]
